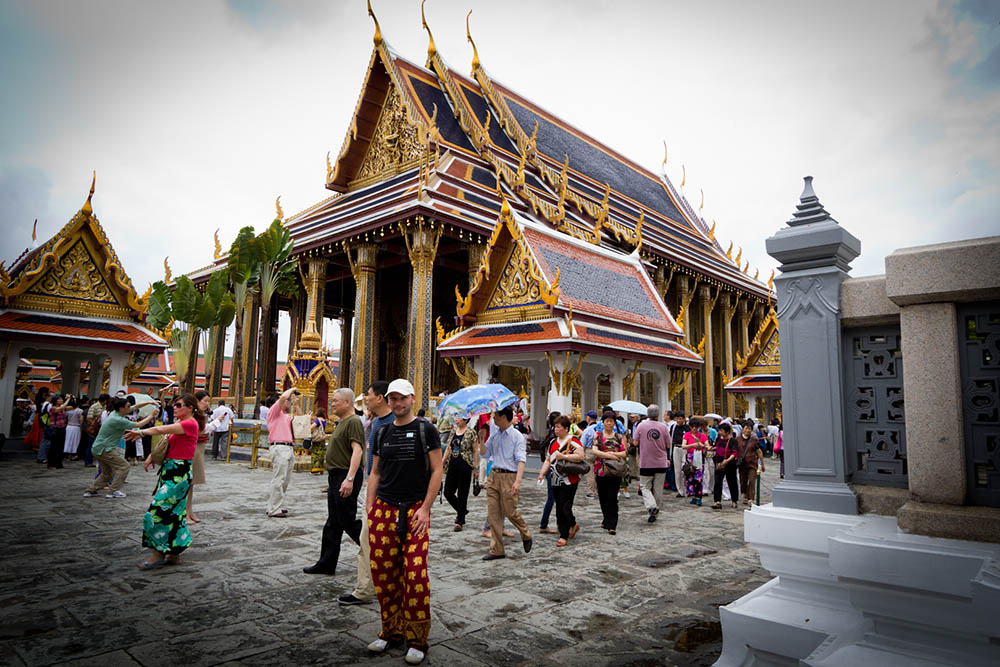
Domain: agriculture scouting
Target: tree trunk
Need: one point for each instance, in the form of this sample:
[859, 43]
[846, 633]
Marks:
[191, 378]
[265, 311]
[235, 377]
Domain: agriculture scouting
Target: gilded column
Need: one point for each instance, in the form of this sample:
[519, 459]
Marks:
[476, 253]
[708, 380]
[728, 311]
[344, 359]
[421, 243]
[744, 323]
[311, 338]
[363, 352]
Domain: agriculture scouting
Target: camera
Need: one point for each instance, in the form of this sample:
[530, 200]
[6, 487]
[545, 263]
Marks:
[295, 392]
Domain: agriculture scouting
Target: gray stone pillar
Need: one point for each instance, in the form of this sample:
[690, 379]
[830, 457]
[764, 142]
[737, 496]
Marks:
[814, 252]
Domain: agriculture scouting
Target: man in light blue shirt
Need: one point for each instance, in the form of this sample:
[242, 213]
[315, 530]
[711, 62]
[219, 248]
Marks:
[507, 448]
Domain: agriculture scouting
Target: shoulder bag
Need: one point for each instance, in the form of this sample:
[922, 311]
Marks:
[301, 427]
[612, 467]
[567, 468]
[159, 451]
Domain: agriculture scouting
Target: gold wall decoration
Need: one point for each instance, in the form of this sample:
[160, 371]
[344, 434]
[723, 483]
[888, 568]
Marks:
[564, 380]
[763, 352]
[218, 246]
[742, 404]
[137, 362]
[463, 370]
[394, 145]
[75, 276]
[106, 375]
[678, 378]
[516, 287]
[628, 382]
[3, 361]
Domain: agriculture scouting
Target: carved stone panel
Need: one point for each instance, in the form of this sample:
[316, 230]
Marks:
[874, 425]
[979, 351]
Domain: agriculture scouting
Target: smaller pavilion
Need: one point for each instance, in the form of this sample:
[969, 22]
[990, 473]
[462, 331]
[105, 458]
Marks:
[569, 312]
[69, 300]
[757, 385]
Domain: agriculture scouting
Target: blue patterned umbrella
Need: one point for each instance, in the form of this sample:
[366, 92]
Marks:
[475, 400]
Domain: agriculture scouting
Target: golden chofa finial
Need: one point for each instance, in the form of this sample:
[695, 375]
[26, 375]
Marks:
[329, 168]
[702, 204]
[378, 31]
[431, 49]
[34, 230]
[711, 232]
[739, 256]
[729, 250]
[87, 208]
[167, 275]
[684, 175]
[663, 165]
[756, 273]
[218, 246]
[770, 281]
[277, 209]
[468, 35]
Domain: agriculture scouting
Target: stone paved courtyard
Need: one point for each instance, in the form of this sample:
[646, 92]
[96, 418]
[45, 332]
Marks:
[70, 592]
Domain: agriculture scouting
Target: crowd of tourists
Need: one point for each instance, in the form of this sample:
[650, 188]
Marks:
[405, 458]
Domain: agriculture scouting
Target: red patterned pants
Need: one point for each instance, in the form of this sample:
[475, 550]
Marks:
[399, 572]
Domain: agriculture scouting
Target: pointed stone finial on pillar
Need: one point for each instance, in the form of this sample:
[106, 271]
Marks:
[815, 254]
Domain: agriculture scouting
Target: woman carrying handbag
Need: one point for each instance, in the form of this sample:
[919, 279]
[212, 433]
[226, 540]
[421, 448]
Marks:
[610, 465]
[565, 449]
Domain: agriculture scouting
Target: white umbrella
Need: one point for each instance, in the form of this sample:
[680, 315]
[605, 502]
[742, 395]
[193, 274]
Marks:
[631, 407]
[712, 415]
[145, 398]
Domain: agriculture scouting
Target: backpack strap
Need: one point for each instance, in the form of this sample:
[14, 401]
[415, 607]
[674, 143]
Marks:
[422, 439]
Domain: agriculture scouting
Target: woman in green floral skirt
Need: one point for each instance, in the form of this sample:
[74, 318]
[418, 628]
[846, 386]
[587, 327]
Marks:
[164, 527]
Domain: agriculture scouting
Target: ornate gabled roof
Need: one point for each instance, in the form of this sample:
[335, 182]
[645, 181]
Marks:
[75, 271]
[759, 372]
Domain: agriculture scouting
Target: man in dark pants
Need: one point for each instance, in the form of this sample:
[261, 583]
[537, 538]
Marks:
[344, 455]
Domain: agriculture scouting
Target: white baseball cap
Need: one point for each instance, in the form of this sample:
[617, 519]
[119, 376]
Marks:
[401, 387]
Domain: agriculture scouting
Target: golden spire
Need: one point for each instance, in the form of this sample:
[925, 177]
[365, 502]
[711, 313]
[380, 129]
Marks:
[468, 34]
[770, 281]
[739, 256]
[329, 168]
[702, 204]
[218, 246]
[167, 275]
[277, 208]
[664, 164]
[684, 175]
[431, 49]
[87, 208]
[747, 267]
[729, 250]
[711, 232]
[34, 230]
[756, 273]
[378, 31]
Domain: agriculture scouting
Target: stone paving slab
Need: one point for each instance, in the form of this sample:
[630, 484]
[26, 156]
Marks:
[70, 592]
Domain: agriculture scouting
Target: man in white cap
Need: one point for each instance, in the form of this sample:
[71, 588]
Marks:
[405, 478]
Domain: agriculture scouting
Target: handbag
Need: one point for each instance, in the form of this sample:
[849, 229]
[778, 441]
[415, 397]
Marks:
[612, 467]
[567, 468]
[301, 427]
[159, 451]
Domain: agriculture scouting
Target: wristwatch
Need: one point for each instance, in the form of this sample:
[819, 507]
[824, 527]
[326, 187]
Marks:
[350, 479]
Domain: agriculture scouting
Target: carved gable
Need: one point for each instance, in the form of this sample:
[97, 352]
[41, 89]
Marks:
[517, 294]
[75, 276]
[394, 146]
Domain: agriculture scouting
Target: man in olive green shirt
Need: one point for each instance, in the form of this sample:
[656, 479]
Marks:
[344, 454]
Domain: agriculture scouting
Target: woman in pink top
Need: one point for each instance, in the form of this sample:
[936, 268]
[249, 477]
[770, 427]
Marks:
[696, 445]
[164, 528]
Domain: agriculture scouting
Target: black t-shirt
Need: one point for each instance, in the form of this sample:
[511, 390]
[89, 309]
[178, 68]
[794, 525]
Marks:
[679, 432]
[403, 466]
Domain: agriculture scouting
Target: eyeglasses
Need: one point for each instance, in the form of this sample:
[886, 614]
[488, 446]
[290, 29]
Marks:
[179, 405]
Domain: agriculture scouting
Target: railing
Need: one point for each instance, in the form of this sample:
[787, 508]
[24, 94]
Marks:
[979, 357]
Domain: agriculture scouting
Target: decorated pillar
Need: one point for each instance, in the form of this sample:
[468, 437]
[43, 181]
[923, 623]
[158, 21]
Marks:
[743, 324]
[814, 252]
[708, 377]
[297, 317]
[476, 253]
[363, 352]
[421, 244]
[303, 365]
[684, 319]
[344, 358]
[728, 311]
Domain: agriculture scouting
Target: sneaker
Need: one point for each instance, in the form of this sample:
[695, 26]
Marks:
[414, 656]
[88, 494]
[348, 599]
[626, 494]
[652, 515]
[116, 494]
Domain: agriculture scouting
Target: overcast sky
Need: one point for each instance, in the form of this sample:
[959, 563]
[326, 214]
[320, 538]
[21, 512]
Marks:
[196, 115]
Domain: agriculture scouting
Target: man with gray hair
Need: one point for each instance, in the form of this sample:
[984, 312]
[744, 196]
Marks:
[653, 440]
[344, 455]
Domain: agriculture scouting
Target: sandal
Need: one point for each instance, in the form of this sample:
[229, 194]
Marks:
[548, 531]
[717, 506]
[574, 530]
[152, 564]
[735, 504]
[561, 542]
[611, 531]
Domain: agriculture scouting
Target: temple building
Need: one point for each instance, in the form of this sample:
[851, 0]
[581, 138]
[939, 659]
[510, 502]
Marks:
[470, 235]
[70, 301]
